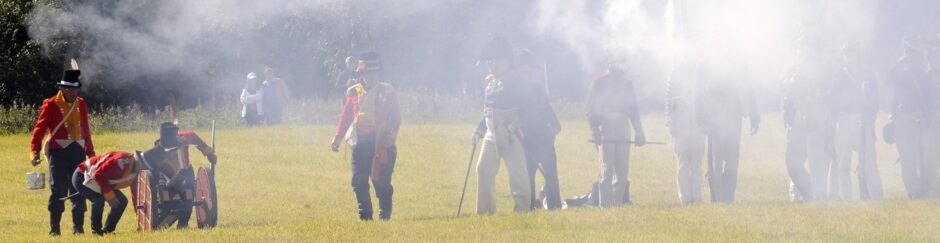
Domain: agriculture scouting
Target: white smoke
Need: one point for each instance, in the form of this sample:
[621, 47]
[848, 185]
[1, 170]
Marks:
[758, 38]
[434, 43]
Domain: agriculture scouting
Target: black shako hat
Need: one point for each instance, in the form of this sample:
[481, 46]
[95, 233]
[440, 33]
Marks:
[168, 136]
[70, 79]
[368, 61]
[497, 49]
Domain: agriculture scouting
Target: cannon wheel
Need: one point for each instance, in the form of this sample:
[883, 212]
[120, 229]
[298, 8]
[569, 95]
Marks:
[146, 199]
[207, 211]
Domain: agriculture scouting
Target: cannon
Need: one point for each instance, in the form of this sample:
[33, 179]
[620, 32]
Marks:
[156, 206]
[168, 190]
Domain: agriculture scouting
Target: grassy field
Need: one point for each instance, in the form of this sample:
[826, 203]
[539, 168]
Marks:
[280, 184]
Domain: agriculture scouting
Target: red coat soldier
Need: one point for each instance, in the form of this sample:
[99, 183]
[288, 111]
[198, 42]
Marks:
[65, 118]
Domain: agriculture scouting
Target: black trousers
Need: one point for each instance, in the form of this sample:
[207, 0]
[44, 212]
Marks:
[97, 205]
[540, 156]
[184, 185]
[62, 163]
[363, 153]
[253, 119]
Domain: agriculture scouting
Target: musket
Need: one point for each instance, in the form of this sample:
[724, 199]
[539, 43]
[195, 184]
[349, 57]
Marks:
[213, 148]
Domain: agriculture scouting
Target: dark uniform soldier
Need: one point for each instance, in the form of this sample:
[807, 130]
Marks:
[540, 127]
[808, 122]
[725, 99]
[854, 106]
[169, 159]
[915, 122]
[612, 109]
[65, 118]
[682, 107]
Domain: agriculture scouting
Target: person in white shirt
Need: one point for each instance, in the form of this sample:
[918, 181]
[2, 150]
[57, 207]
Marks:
[251, 98]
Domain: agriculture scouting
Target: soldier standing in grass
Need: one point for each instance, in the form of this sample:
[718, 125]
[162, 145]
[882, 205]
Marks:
[369, 123]
[808, 123]
[725, 99]
[65, 118]
[540, 127]
[688, 139]
[501, 130]
[612, 110]
[854, 106]
[914, 122]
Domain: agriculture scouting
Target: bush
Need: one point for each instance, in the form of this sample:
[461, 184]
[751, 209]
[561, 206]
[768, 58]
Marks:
[416, 107]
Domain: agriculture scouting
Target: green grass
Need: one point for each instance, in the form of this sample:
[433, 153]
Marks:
[281, 184]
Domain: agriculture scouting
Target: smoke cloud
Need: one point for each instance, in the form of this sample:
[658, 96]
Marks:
[180, 46]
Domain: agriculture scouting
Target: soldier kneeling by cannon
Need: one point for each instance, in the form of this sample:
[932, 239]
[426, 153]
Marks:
[167, 189]
[99, 179]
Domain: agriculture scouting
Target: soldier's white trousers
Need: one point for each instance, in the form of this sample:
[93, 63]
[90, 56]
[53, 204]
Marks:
[690, 149]
[615, 159]
[917, 143]
[851, 138]
[807, 163]
[503, 141]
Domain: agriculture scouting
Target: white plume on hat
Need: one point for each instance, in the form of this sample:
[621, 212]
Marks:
[73, 64]
[252, 75]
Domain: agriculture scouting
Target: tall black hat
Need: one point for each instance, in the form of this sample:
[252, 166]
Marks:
[497, 48]
[70, 79]
[168, 136]
[369, 61]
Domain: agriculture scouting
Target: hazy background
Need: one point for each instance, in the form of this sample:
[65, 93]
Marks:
[139, 52]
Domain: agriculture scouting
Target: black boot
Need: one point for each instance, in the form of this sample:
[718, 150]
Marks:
[385, 209]
[78, 223]
[364, 200]
[54, 219]
[626, 195]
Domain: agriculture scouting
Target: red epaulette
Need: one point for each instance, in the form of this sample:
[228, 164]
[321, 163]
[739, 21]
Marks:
[601, 75]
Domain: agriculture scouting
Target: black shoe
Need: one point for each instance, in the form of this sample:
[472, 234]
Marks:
[78, 223]
[577, 202]
[54, 219]
[98, 232]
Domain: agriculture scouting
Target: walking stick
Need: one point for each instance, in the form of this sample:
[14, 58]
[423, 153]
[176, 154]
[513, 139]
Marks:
[466, 178]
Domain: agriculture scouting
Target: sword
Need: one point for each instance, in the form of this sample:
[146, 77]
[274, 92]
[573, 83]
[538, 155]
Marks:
[69, 196]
